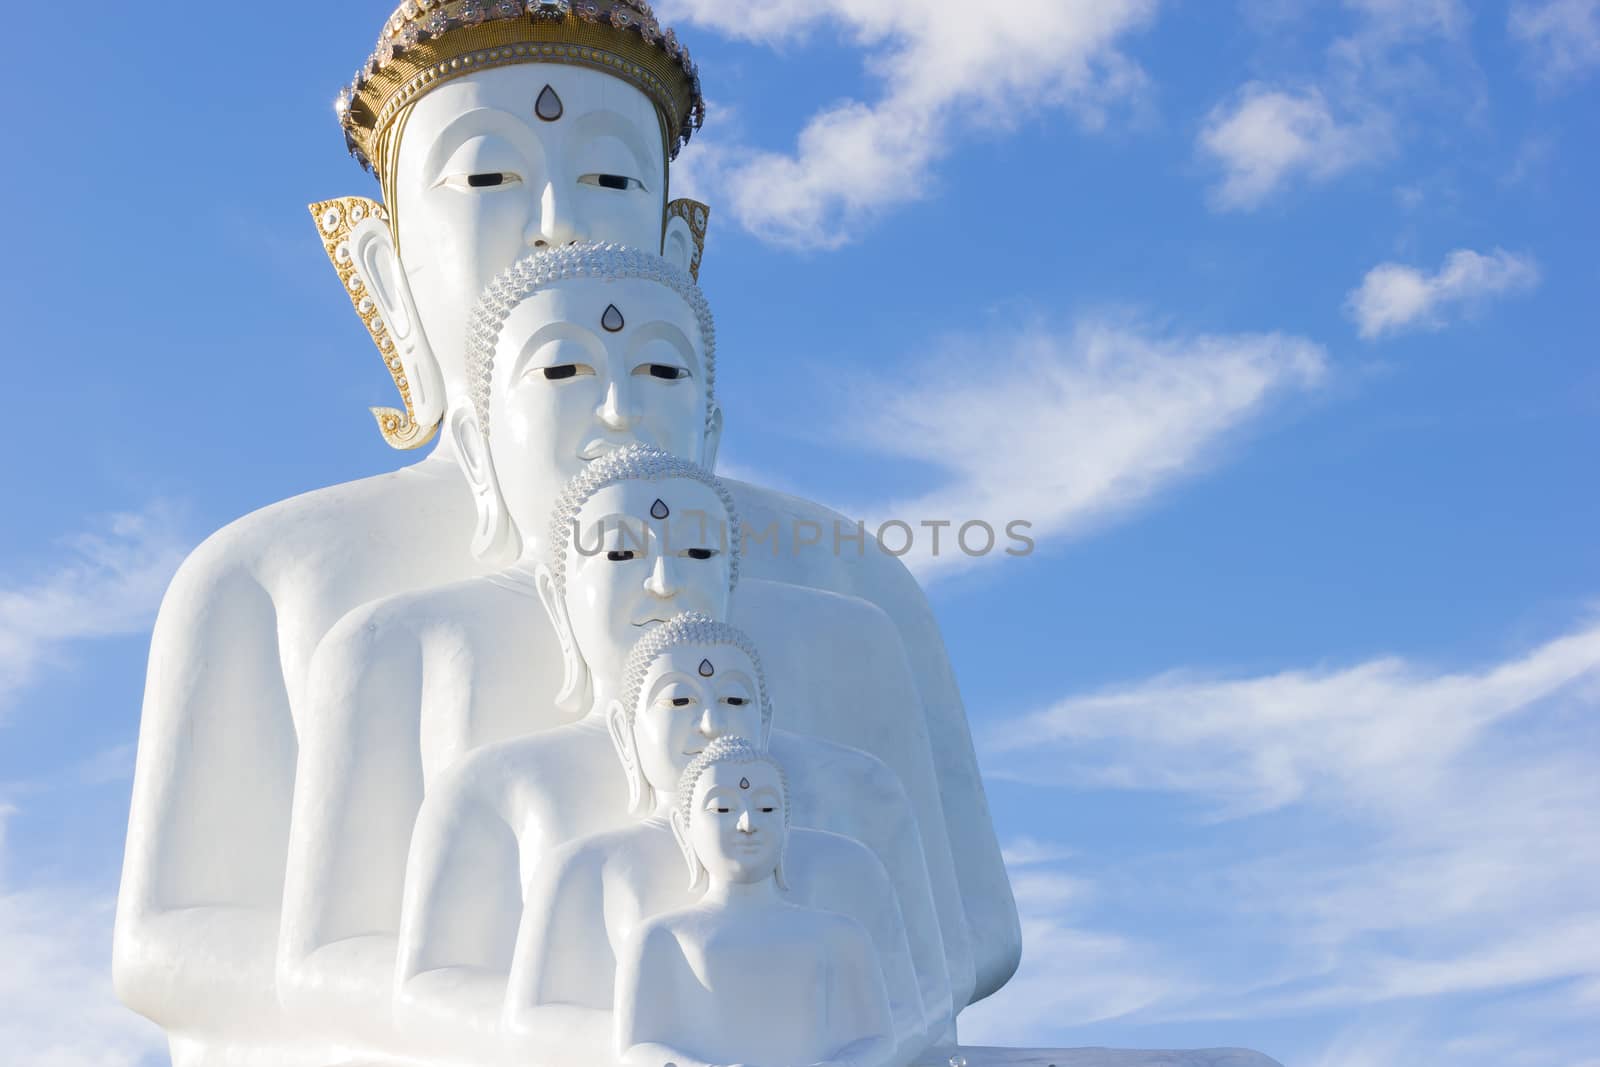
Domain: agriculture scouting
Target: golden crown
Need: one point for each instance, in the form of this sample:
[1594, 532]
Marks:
[429, 42]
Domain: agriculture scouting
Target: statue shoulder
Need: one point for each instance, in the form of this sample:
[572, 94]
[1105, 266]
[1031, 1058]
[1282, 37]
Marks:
[843, 937]
[343, 507]
[811, 759]
[864, 570]
[843, 859]
[468, 607]
[522, 777]
[581, 866]
[327, 527]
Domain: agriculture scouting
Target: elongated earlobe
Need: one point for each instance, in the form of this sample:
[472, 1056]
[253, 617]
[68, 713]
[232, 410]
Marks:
[574, 671]
[680, 834]
[411, 360]
[622, 741]
[494, 537]
[713, 443]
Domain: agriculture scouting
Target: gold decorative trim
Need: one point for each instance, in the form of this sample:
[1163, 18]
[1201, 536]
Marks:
[426, 45]
[336, 220]
[698, 216]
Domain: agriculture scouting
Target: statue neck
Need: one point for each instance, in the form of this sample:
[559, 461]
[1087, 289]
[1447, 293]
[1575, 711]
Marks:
[726, 894]
[444, 447]
[602, 692]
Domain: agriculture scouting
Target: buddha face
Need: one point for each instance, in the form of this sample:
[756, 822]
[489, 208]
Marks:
[583, 368]
[691, 696]
[481, 179]
[628, 570]
[736, 822]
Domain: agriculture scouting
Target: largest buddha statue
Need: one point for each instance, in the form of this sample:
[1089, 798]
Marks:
[315, 639]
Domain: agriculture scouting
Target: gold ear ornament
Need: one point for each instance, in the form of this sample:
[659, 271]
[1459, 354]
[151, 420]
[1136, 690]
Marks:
[336, 221]
[698, 216]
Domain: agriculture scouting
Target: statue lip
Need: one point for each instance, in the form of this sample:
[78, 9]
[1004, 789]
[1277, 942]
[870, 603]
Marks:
[600, 446]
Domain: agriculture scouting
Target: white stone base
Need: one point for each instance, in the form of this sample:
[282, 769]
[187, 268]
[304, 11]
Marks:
[1095, 1057]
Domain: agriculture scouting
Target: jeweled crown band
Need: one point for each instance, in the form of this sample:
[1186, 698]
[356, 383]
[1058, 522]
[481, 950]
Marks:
[429, 42]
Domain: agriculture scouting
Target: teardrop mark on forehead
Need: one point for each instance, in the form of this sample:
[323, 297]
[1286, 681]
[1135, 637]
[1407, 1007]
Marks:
[612, 320]
[706, 669]
[549, 107]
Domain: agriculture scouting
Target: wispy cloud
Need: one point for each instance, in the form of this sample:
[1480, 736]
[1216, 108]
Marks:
[1416, 833]
[1072, 974]
[1064, 430]
[57, 1008]
[1394, 20]
[1560, 37]
[1394, 297]
[943, 73]
[107, 581]
[1319, 121]
[1265, 138]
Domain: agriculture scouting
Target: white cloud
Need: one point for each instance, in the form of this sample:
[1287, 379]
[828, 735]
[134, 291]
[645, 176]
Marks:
[1065, 430]
[1416, 835]
[1394, 297]
[1263, 743]
[1353, 110]
[1561, 37]
[1031, 852]
[109, 582]
[57, 1008]
[1265, 138]
[1397, 19]
[944, 73]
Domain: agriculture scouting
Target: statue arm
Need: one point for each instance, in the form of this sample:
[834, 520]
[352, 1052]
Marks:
[858, 1002]
[358, 789]
[462, 903]
[197, 916]
[563, 968]
[648, 973]
[994, 927]
[868, 897]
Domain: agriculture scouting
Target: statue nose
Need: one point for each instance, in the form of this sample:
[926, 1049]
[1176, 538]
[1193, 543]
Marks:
[745, 825]
[557, 223]
[662, 582]
[613, 410]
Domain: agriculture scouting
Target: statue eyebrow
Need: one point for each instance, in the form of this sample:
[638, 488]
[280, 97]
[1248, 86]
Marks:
[463, 128]
[662, 330]
[553, 331]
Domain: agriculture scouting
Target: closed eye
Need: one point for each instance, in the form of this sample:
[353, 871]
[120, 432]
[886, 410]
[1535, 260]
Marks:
[736, 702]
[682, 702]
[619, 182]
[493, 179]
[562, 372]
[664, 371]
[768, 811]
[700, 553]
[622, 556]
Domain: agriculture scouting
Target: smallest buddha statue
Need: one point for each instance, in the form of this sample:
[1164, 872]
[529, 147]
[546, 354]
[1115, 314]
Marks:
[744, 976]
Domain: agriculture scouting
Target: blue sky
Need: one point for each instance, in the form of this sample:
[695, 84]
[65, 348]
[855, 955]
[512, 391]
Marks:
[1276, 317]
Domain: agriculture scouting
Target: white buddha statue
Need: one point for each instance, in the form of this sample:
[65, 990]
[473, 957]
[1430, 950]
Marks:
[585, 349]
[624, 544]
[744, 975]
[474, 177]
[584, 901]
[493, 129]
